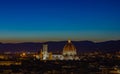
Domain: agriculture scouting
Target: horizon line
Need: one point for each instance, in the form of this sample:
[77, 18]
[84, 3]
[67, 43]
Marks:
[56, 41]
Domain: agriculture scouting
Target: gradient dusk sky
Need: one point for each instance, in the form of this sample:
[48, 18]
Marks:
[56, 20]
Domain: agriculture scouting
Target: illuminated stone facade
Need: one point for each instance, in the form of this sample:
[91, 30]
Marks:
[69, 53]
[44, 55]
[69, 49]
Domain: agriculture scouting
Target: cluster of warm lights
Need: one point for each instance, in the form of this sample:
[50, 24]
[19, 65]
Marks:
[23, 54]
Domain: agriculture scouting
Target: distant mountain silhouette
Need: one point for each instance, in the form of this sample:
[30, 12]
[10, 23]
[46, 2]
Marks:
[82, 46]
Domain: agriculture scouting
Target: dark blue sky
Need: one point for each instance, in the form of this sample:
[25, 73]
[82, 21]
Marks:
[51, 20]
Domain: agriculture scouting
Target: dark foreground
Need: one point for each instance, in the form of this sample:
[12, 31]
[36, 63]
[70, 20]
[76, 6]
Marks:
[46, 67]
[86, 66]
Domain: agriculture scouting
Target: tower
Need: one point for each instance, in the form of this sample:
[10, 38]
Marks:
[45, 52]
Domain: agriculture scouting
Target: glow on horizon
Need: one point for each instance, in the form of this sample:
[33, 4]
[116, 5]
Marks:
[56, 36]
[59, 20]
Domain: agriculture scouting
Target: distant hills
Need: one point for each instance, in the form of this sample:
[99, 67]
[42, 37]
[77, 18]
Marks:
[82, 46]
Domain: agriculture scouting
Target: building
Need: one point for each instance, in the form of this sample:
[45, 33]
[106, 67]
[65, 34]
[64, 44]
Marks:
[69, 49]
[69, 53]
[57, 56]
[45, 52]
[44, 55]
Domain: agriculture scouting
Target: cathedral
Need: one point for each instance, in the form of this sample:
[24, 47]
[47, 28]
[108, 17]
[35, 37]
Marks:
[69, 53]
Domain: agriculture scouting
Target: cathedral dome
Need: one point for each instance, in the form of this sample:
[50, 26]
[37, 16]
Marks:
[69, 49]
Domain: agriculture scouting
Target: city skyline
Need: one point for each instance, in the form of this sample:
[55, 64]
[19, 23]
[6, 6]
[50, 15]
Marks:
[51, 20]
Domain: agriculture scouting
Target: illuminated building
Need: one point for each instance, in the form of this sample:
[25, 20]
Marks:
[69, 51]
[57, 56]
[45, 52]
[44, 55]
[50, 56]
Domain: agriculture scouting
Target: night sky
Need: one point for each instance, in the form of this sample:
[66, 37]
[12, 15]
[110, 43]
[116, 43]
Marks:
[58, 20]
